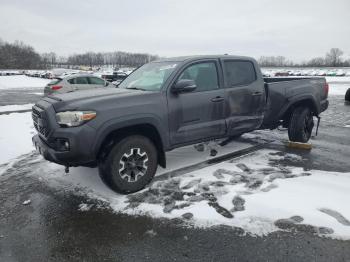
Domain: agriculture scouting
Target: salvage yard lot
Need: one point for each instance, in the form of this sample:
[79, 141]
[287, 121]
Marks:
[272, 189]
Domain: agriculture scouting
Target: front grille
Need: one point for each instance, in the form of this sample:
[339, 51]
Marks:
[40, 123]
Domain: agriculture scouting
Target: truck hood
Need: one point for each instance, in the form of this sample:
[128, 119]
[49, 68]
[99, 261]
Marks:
[91, 98]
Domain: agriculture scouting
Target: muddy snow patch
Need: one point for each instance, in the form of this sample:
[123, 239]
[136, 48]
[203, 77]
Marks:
[85, 207]
[252, 192]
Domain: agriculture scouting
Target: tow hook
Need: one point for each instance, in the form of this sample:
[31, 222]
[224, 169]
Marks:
[318, 124]
[66, 169]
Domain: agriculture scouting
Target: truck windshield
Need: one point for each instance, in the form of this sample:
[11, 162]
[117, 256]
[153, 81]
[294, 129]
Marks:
[149, 77]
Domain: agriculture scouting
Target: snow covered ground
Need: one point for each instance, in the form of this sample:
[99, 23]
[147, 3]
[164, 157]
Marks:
[16, 131]
[338, 85]
[22, 81]
[11, 108]
[255, 193]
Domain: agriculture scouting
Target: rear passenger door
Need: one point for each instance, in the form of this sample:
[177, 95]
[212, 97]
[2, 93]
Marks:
[245, 96]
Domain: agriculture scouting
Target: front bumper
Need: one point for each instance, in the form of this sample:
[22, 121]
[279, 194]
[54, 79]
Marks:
[44, 150]
[79, 153]
[81, 139]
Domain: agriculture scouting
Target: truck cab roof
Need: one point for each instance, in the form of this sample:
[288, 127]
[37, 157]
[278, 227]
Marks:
[202, 57]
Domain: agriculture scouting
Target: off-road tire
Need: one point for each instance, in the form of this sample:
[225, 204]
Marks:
[111, 166]
[347, 95]
[300, 125]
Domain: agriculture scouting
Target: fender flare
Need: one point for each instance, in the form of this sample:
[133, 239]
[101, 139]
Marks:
[116, 124]
[300, 99]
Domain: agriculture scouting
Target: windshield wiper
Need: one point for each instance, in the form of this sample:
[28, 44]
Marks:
[135, 88]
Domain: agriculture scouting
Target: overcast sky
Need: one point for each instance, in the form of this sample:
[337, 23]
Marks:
[298, 29]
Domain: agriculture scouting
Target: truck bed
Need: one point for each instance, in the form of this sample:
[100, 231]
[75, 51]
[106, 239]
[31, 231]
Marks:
[281, 91]
[283, 79]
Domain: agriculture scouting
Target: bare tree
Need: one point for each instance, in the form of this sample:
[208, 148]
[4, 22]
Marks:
[115, 59]
[333, 57]
[48, 60]
[274, 61]
[17, 55]
[317, 61]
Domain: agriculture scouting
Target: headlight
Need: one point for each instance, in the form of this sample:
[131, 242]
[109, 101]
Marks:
[74, 118]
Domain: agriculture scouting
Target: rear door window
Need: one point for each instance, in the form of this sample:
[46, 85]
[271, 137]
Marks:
[81, 81]
[96, 81]
[71, 81]
[238, 73]
[78, 81]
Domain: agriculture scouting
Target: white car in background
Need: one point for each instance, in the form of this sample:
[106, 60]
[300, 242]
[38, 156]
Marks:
[75, 82]
[322, 73]
[340, 73]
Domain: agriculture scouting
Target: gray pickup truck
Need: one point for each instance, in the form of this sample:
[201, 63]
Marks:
[168, 104]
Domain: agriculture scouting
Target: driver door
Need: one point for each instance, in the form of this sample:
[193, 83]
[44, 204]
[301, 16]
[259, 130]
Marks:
[197, 115]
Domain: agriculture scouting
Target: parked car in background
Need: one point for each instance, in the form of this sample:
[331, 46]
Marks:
[75, 82]
[107, 75]
[282, 74]
[331, 73]
[340, 73]
[46, 74]
[115, 77]
[322, 73]
[118, 77]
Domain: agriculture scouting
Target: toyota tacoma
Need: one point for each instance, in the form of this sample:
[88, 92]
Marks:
[168, 104]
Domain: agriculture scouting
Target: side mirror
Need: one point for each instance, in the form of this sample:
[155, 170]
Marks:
[106, 83]
[183, 86]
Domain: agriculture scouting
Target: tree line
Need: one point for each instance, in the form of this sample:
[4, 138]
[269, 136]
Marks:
[93, 59]
[110, 58]
[18, 55]
[334, 58]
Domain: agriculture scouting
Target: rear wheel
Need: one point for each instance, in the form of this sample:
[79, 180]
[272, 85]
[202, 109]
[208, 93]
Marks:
[347, 95]
[130, 165]
[301, 125]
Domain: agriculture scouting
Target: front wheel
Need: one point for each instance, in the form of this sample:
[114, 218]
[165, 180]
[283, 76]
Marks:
[301, 125]
[130, 165]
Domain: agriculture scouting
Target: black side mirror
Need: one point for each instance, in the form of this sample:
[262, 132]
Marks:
[183, 86]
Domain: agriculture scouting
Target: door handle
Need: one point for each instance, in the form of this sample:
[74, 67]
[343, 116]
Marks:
[256, 93]
[217, 99]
